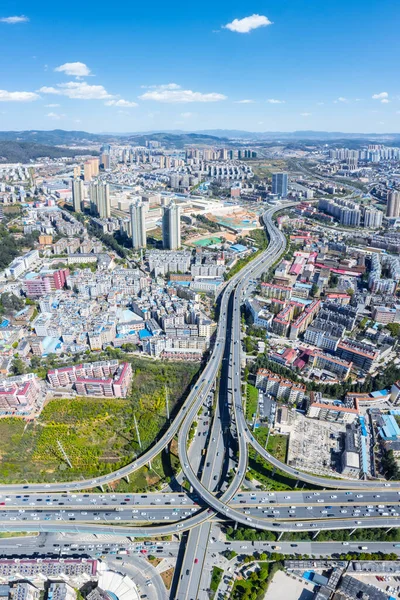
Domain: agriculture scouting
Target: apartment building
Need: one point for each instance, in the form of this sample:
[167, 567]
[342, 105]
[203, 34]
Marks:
[361, 355]
[101, 379]
[280, 387]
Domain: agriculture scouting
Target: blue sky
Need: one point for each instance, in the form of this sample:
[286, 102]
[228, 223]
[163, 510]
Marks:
[297, 64]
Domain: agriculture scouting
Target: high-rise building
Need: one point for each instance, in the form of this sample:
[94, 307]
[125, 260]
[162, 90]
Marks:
[372, 218]
[105, 161]
[87, 171]
[171, 227]
[138, 224]
[280, 184]
[95, 166]
[77, 171]
[393, 204]
[100, 200]
[77, 195]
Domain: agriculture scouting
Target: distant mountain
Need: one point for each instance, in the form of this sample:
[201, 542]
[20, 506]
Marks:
[299, 135]
[56, 137]
[178, 138]
[23, 152]
[59, 137]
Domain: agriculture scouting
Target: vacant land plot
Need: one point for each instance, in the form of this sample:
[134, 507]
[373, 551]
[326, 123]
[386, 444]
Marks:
[286, 586]
[98, 435]
[313, 445]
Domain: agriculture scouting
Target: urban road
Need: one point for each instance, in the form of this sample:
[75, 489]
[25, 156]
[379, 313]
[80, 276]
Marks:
[220, 444]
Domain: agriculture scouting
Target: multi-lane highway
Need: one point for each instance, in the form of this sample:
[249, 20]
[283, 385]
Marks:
[220, 444]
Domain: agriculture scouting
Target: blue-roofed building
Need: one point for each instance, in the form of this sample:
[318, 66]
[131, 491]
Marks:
[364, 455]
[389, 429]
[238, 248]
[362, 425]
[144, 333]
[380, 394]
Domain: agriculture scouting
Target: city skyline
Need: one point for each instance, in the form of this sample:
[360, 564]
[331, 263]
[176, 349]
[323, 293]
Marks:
[280, 67]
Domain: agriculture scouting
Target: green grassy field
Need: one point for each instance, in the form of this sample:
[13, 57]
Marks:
[98, 435]
[251, 401]
[277, 446]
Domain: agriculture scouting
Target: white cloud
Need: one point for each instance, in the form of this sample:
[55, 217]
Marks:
[274, 101]
[167, 93]
[320, 103]
[76, 69]
[165, 86]
[383, 97]
[14, 20]
[122, 103]
[340, 99]
[305, 114]
[380, 96]
[248, 23]
[55, 116]
[78, 91]
[244, 101]
[187, 115]
[52, 105]
[17, 96]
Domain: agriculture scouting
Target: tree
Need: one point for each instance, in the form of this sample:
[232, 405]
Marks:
[394, 329]
[314, 290]
[18, 366]
[11, 302]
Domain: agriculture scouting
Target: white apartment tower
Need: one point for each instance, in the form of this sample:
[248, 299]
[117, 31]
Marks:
[393, 204]
[77, 194]
[100, 200]
[138, 224]
[171, 227]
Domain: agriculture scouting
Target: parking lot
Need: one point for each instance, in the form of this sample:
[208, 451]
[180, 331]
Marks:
[312, 444]
[382, 582]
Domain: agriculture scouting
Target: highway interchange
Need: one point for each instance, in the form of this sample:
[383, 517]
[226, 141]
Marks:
[219, 447]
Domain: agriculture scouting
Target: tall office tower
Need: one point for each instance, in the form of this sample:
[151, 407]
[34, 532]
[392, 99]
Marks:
[167, 162]
[393, 204]
[162, 162]
[223, 154]
[77, 194]
[280, 184]
[87, 171]
[100, 200]
[171, 227]
[77, 171]
[138, 225]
